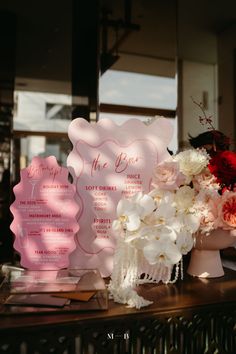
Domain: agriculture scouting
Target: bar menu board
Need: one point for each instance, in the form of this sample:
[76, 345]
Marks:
[44, 214]
[109, 162]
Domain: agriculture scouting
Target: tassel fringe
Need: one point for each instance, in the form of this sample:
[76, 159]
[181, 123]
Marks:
[131, 269]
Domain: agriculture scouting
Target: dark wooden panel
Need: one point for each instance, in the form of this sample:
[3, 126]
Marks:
[85, 56]
[139, 111]
[190, 333]
[192, 317]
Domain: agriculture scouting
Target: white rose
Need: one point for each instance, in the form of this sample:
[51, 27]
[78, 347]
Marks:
[192, 162]
[184, 198]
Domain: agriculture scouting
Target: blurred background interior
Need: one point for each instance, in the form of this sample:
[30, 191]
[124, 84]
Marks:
[115, 59]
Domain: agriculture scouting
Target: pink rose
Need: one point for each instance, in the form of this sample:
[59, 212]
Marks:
[205, 180]
[167, 175]
[209, 217]
[207, 207]
[227, 210]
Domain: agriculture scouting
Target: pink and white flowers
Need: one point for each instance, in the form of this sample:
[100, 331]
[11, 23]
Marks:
[167, 215]
[156, 229]
[206, 206]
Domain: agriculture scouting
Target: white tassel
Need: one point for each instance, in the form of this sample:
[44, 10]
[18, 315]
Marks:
[129, 265]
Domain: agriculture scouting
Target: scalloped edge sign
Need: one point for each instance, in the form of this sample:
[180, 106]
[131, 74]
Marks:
[44, 214]
[108, 162]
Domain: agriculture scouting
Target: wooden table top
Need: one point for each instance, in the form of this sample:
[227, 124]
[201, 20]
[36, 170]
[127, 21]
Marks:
[191, 293]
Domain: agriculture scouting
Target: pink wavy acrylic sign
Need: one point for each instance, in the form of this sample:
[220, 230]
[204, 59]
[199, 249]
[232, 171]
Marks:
[109, 162]
[44, 214]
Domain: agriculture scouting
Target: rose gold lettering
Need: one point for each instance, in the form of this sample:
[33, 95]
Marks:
[97, 165]
[123, 161]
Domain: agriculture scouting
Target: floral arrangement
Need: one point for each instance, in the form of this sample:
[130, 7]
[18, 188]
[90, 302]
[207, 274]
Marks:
[220, 176]
[156, 229]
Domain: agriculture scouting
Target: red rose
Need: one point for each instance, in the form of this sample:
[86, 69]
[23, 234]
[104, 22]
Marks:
[223, 167]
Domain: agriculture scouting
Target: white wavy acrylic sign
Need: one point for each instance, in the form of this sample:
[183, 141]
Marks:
[108, 162]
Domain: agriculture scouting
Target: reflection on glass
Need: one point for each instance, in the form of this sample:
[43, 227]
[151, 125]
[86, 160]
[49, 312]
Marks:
[23, 237]
[33, 182]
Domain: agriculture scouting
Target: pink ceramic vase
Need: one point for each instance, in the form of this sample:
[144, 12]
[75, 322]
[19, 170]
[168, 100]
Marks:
[205, 261]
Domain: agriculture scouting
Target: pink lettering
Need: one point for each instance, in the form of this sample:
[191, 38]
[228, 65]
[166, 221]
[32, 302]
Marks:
[97, 165]
[37, 171]
[123, 161]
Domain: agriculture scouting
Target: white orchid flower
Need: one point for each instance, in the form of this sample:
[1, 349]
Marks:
[147, 233]
[164, 212]
[161, 196]
[165, 215]
[166, 232]
[191, 221]
[176, 224]
[162, 251]
[141, 237]
[145, 204]
[130, 212]
[184, 241]
[128, 216]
